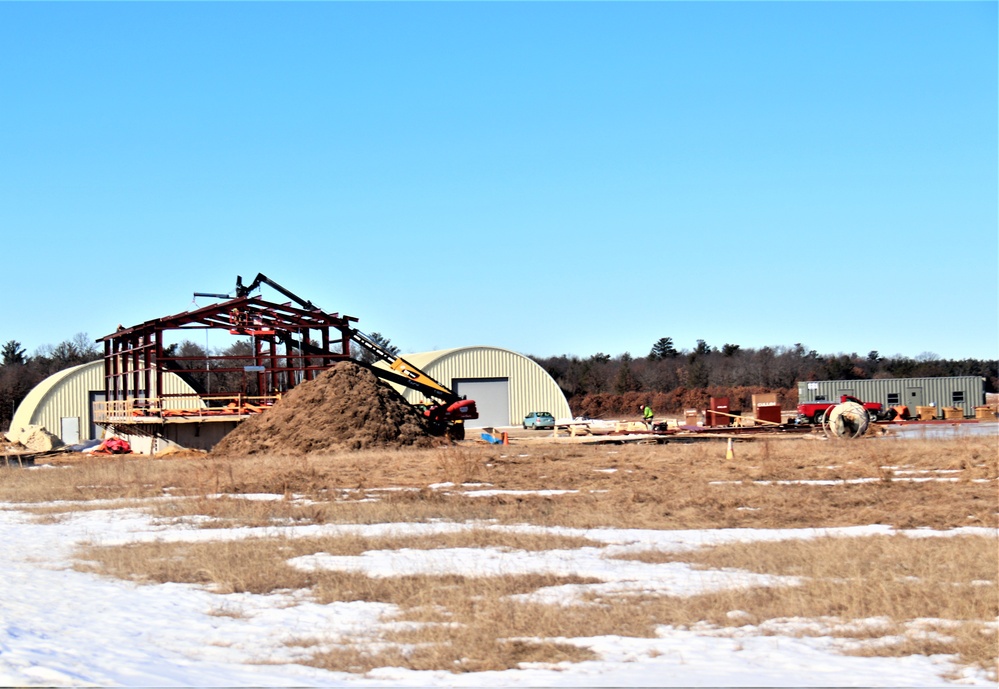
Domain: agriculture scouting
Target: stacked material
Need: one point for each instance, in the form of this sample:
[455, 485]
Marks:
[35, 438]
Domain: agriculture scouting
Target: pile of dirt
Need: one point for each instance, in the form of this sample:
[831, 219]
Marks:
[346, 408]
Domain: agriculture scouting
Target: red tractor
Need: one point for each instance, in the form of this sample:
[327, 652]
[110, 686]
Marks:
[815, 412]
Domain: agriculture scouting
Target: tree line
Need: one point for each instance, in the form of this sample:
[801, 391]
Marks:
[19, 373]
[673, 379]
[668, 378]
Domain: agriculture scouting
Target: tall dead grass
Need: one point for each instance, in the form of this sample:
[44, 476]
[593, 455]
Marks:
[260, 565]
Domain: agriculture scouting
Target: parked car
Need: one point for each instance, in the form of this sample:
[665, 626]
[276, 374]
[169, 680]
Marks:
[539, 419]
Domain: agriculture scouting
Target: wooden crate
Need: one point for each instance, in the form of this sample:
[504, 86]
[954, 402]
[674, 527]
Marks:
[926, 413]
[985, 413]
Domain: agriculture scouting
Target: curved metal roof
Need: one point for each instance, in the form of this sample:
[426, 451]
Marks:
[67, 393]
[36, 397]
[530, 386]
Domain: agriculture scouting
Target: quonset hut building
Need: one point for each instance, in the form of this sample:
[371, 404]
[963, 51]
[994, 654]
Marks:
[505, 385]
[64, 402]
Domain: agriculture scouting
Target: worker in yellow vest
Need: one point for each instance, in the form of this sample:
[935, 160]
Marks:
[647, 415]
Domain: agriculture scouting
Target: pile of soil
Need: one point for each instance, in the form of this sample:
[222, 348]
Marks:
[346, 408]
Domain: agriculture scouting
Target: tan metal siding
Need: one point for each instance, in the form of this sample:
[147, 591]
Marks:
[67, 394]
[530, 386]
[70, 397]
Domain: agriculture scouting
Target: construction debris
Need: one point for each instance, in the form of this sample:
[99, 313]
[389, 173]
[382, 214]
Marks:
[346, 408]
[112, 446]
[34, 438]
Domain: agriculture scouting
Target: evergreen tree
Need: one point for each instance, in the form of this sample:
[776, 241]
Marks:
[13, 354]
[663, 349]
[625, 380]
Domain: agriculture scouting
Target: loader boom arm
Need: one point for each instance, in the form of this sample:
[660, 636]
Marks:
[452, 408]
[406, 373]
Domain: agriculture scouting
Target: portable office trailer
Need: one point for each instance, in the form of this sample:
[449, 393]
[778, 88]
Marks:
[964, 392]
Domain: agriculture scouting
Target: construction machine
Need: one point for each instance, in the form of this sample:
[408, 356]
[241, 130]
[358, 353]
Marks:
[444, 411]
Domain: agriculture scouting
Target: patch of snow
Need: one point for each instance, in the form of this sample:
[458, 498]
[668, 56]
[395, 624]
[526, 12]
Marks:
[62, 627]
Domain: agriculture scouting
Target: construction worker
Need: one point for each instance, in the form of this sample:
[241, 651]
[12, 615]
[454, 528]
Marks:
[647, 415]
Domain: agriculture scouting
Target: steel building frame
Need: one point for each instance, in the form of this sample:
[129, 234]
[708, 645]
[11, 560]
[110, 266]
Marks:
[290, 345]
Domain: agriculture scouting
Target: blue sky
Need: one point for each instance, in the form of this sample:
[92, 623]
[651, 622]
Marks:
[552, 178]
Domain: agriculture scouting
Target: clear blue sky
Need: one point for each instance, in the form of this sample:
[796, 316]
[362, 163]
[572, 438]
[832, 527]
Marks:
[552, 178]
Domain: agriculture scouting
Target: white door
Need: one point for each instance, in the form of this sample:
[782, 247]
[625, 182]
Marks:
[69, 430]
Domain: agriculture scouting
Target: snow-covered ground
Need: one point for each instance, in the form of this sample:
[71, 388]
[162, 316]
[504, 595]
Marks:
[60, 627]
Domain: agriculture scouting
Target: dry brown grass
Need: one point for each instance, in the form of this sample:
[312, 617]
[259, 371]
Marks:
[675, 486]
[458, 649]
[260, 565]
[464, 623]
[471, 623]
[898, 578]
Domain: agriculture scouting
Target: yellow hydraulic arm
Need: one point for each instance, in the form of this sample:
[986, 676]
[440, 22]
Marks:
[406, 373]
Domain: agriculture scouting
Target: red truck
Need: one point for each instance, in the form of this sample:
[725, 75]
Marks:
[813, 412]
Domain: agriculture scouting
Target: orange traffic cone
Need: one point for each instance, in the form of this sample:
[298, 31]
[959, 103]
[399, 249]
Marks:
[729, 453]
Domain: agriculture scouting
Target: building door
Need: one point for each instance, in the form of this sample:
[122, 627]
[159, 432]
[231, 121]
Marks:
[913, 399]
[69, 430]
[96, 432]
[492, 399]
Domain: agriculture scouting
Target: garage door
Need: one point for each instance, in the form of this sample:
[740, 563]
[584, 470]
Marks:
[492, 399]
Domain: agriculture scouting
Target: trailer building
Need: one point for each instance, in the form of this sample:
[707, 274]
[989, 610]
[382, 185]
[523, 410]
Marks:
[964, 392]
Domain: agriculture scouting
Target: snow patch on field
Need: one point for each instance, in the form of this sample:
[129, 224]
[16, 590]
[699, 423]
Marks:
[61, 627]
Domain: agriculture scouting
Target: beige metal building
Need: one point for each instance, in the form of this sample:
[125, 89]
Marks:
[64, 402]
[505, 385]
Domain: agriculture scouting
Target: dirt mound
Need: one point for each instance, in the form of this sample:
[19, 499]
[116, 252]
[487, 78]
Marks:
[346, 408]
